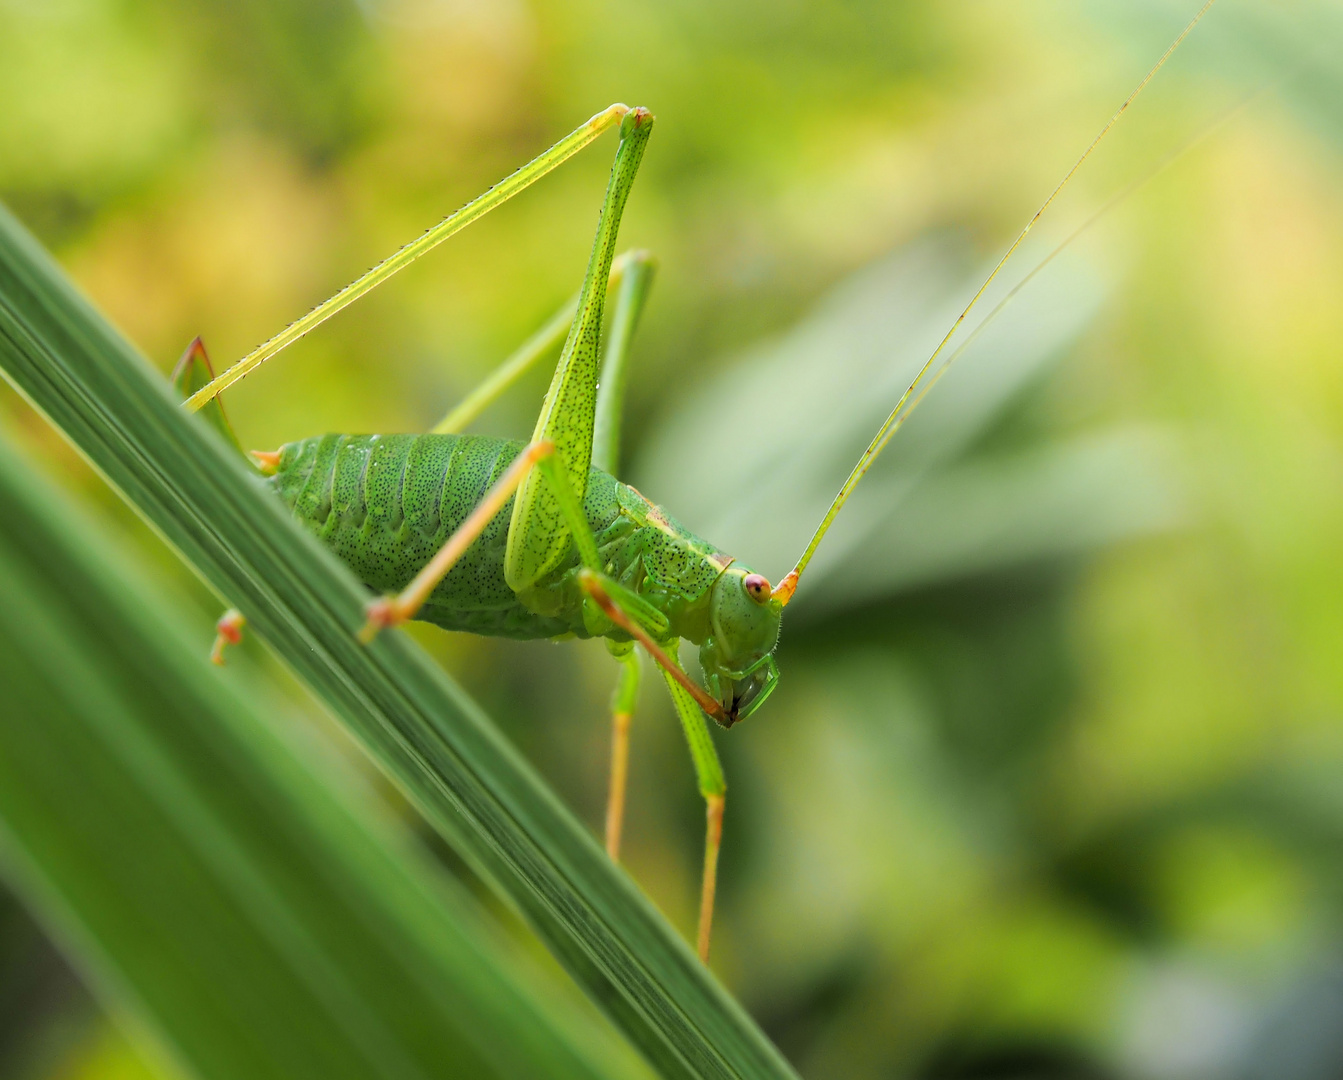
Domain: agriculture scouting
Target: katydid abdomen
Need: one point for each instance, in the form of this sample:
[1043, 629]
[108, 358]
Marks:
[384, 504]
[495, 537]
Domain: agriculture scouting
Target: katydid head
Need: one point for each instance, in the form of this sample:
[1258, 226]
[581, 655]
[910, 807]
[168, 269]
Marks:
[737, 656]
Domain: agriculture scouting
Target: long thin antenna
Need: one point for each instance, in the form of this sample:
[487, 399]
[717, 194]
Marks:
[785, 589]
[504, 190]
[1109, 204]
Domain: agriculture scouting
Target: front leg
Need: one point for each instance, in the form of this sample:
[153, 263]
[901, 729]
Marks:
[712, 786]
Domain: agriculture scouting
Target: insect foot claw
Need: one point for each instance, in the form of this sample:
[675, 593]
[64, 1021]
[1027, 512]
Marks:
[228, 631]
[382, 613]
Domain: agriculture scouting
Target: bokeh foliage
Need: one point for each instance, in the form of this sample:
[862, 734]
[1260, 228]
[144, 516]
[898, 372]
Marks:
[222, 882]
[1057, 802]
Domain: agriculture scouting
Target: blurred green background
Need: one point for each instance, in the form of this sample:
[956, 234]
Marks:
[1053, 783]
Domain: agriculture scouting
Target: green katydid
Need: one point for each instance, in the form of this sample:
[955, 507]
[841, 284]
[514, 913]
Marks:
[540, 540]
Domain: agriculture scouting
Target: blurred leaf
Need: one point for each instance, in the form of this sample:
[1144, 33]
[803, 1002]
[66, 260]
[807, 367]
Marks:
[214, 881]
[419, 727]
[295, 64]
[109, 1056]
[994, 512]
[119, 106]
[1301, 1038]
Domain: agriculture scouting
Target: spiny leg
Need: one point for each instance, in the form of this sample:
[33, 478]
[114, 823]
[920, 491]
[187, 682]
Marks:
[501, 192]
[547, 512]
[689, 699]
[636, 617]
[533, 351]
[622, 712]
[630, 277]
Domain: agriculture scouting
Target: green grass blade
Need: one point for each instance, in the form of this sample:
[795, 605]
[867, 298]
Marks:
[223, 886]
[420, 728]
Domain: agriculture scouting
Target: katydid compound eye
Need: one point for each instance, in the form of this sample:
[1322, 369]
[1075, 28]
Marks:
[757, 587]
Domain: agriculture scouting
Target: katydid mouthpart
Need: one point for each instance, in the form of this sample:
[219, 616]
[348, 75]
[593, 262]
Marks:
[540, 539]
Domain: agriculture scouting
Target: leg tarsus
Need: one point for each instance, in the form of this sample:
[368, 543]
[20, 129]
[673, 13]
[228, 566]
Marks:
[709, 773]
[381, 614]
[622, 710]
[615, 798]
[713, 838]
[228, 631]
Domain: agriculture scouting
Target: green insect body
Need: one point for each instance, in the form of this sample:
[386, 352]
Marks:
[384, 504]
[496, 537]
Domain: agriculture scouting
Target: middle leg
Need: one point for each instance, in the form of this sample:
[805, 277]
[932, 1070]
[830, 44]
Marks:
[622, 711]
[713, 788]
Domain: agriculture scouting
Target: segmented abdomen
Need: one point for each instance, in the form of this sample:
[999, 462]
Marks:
[385, 503]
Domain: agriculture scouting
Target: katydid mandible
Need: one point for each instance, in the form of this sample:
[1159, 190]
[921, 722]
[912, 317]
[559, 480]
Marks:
[541, 540]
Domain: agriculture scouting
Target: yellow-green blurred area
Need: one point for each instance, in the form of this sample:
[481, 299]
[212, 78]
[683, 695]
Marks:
[1052, 785]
